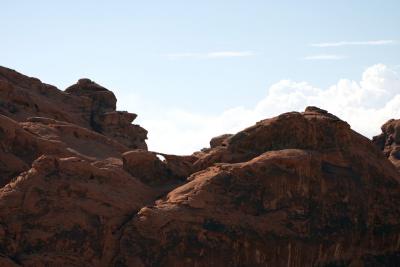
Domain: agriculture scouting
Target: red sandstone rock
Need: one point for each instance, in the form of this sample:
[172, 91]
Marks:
[21, 143]
[86, 104]
[307, 191]
[103, 100]
[314, 129]
[22, 97]
[300, 189]
[220, 140]
[389, 141]
[67, 212]
[153, 171]
[105, 119]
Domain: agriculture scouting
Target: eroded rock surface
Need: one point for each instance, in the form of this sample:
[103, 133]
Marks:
[301, 189]
[67, 212]
[79, 188]
[85, 103]
[389, 141]
[105, 119]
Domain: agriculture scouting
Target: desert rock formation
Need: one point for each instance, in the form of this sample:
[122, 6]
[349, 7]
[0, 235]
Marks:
[80, 188]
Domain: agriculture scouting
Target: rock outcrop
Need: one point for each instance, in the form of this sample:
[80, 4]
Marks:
[79, 188]
[220, 140]
[85, 104]
[301, 189]
[105, 119]
[389, 141]
[67, 212]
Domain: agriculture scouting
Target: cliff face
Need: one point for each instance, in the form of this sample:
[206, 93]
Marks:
[79, 188]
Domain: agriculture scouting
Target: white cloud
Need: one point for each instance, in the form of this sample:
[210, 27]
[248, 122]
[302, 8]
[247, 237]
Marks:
[364, 104]
[347, 43]
[211, 55]
[323, 57]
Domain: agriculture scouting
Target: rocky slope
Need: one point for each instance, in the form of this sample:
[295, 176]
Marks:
[79, 188]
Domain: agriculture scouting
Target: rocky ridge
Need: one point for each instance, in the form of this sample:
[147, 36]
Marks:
[80, 188]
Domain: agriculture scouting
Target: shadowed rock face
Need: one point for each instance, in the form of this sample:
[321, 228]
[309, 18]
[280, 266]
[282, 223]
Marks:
[389, 141]
[300, 189]
[105, 119]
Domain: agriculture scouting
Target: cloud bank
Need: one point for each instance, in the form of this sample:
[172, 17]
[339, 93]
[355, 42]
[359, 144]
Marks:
[364, 104]
[348, 43]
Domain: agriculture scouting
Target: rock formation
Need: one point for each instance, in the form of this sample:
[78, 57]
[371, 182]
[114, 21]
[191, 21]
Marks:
[79, 188]
[85, 104]
[105, 119]
[301, 189]
[389, 141]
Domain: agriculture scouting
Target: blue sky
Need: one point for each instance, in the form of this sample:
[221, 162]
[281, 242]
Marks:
[199, 58]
